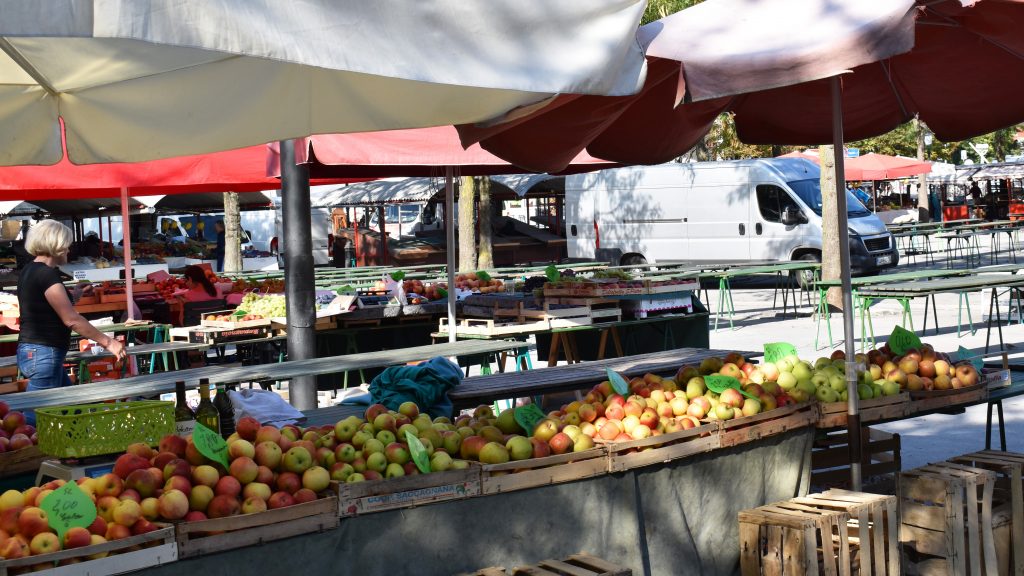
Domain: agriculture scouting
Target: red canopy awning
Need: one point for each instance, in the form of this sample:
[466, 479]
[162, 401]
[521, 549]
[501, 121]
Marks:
[873, 166]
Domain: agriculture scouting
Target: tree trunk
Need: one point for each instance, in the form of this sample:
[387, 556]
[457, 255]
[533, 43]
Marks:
[830, 266]
[485, 255]
[466, 227]
[232, 233]
[923, 214]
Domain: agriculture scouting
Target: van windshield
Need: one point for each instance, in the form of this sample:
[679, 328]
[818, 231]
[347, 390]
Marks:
[809, 192]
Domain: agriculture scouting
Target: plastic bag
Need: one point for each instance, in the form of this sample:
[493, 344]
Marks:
[265, 406]
[395, 288]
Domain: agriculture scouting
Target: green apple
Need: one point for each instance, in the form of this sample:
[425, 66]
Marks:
[837, 382]
[297, 459]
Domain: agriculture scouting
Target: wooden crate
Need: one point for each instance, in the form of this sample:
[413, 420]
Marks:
[219, 534]
[833, 414]
[107, 297]
[679, 286]
[125, 555]
[830, 457]
[786, 538]
[581, 564]
[408, 491]
[923, 400]
[872, 528]
[946, 511]
[664, 448]
[523, 474]
[1009, 467]
[21, 461]
[232, 324]
[490, 327]
[751, 428]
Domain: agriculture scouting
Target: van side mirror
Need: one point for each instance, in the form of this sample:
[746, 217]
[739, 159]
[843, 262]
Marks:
[792, 217]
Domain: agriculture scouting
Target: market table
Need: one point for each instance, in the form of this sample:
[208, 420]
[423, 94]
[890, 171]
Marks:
[911, 248]
[569, 377]
[164, 382]
[105, 328]
[137, 350]
[779, 269]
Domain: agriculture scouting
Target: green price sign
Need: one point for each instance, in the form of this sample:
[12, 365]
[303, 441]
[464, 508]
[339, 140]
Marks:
[775, 351]
[718, 383]
[618, 383]
[68, 507]
[210, 444]
[902, 340]
[552, 274]
[528, 416]
[977, 362]
[418, 452]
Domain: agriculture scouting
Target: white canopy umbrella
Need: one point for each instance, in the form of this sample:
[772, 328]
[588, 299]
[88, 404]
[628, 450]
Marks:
[137, 81]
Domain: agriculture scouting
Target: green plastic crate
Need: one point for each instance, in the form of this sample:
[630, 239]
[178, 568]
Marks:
[94, 429]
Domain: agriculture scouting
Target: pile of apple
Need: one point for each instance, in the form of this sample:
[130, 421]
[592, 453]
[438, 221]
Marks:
[923, 369]
[473, 282]
[15, 433]
[429, 291]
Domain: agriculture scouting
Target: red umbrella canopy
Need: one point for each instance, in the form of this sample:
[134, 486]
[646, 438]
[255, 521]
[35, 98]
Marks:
[873, 166]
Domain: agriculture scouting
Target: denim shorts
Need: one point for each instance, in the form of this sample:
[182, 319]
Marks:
[43, 366]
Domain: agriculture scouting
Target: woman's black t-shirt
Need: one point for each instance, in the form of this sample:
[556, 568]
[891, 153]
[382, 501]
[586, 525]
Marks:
[40, 323]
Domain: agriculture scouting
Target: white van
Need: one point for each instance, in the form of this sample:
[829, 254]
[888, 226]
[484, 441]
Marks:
[746, 210]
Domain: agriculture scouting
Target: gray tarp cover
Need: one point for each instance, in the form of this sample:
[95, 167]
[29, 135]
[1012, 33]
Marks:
[687, 509]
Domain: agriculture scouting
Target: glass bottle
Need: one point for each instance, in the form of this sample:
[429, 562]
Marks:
[222, 402]
[184, 418]
[206, 413]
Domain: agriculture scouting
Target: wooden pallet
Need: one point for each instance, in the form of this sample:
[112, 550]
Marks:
[219, 534]
[872, 528]
[581, 564]
[408, 491]
[787, 538]
[523, 474]
[1009, 467]
[770, 423]
[946, 511]
[659, 449]
[833, 414]
[830, 457]
[124, 555]
[923, 400]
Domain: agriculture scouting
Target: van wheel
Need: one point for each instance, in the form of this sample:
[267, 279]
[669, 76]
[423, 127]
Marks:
[633, 260]
[805, 278]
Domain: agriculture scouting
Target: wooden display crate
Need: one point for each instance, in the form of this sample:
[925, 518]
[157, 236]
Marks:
[198, 335]
[581, 564]
[107, 297]
[219, 534]
[787, 538]
[833, 414]
[664, 448]
[679, 286]
[125, 555]
[21, 461]
[946, 510]
[830, 457]
[923, 400]
[490, 327]
[523, 474]
[231, 324]
[408, 491]
[750, 428]
[1009, 467]
[872, 527]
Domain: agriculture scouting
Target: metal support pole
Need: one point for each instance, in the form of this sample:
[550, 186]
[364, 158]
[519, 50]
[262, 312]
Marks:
[449, 234]
[853, 402]
[298, 267]
[126, 234]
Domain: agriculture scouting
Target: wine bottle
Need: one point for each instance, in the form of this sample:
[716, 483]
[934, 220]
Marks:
[184, 418]
[222, 402]
[206, 413]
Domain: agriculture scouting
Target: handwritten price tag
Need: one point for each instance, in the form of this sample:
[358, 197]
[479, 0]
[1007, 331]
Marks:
[618, 383]
[977, 362]
[528, 416]
[210, 444]
[775, 351]
[902, 340]
[718, 383]
[418, 452]
[68, 507]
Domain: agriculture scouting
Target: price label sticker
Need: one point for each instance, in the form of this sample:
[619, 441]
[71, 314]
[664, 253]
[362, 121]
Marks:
[418, 452]
[775, 351]
[977, 362]
[902, 340]
[79, 274]
[528, 416]
[68, 507]
[210, 444]
[718, 383]
[618, 383]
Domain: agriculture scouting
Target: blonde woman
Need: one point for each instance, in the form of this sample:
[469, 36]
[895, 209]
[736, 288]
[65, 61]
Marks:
[47, 315]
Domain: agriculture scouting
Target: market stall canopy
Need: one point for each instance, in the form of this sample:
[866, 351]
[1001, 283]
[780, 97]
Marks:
[704, 54]
[414, 152]
[998, 171]
[873, 166]
[395, 191]
[136, 81]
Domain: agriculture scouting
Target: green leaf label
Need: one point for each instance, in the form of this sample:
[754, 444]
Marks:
[481, 275]
[552, 274]
[346, 290]
[775, 351]
[418, 452]
[528, 416]
[902, 340]
[68, 507]
[239, 313]
[398, 275]
[618, 383]
[210, 444]
[718, 383]
[977, 362]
